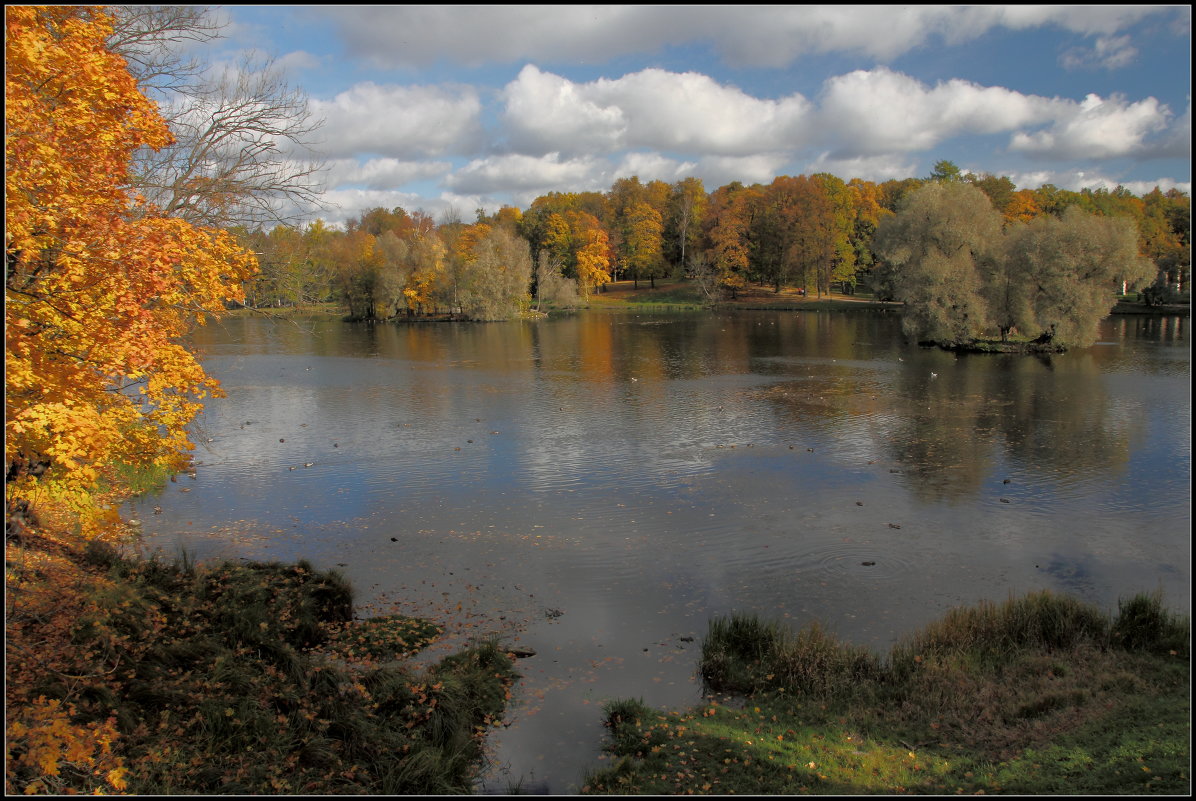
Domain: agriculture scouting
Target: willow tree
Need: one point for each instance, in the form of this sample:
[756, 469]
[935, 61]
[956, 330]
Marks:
[1063, 274]
[493, 275]
[963, 278]
[938, 251]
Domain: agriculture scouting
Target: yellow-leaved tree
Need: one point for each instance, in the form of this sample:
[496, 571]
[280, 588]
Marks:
[100, 288]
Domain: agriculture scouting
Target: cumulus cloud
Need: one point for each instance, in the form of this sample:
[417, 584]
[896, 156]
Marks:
[868, 168]
[1085, 20]
[382, 173]
[347, 203]
[545, 113]
[874, 112]
[515, 172]
[1176, 142]
[759, 168]
[652, 109]
[1096, 128]
[653, 167]
[401, 121]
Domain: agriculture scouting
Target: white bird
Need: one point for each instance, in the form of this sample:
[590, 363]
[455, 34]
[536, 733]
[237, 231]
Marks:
[934, 375]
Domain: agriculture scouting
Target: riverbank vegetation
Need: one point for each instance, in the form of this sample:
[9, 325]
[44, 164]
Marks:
[1038, 695]
[158, 677]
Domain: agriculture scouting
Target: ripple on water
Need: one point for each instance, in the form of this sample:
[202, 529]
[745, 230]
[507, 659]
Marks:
[857, 561]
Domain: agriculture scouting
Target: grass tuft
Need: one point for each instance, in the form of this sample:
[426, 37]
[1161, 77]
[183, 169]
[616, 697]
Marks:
[1144, 624]
[1040, 694]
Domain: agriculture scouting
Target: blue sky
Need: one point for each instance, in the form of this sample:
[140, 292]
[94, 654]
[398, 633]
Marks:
[461, 107]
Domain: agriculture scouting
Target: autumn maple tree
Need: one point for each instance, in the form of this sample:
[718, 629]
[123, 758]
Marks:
[100, 286]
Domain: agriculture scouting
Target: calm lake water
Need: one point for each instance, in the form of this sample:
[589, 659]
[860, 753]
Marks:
[597, 486]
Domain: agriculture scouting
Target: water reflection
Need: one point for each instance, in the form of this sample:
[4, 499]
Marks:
[638, 474]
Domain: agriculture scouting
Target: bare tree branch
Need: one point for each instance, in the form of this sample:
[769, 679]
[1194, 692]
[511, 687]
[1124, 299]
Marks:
[243, 153]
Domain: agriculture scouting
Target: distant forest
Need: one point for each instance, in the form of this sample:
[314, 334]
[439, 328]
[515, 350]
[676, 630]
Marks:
[814, 231]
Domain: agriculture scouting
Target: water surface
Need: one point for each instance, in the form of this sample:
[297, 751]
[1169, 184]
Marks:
[597, 486]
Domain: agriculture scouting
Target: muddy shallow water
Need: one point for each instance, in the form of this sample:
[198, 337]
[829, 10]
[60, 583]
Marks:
[597, 486]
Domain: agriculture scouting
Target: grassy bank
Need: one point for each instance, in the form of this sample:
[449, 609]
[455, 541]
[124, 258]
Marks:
[1040, 695]
[674, 294]
[153, 677]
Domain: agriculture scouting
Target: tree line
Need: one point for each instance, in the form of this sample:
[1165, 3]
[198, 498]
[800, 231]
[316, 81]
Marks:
[145, 193]
[817, 231]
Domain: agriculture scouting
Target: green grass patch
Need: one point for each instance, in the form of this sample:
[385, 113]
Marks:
[135, 479]
[1041, 694]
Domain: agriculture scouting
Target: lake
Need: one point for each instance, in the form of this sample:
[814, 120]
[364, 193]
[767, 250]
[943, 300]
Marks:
[596, 486]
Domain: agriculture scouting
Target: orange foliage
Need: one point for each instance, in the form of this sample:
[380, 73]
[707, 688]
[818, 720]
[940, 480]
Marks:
[593, 260]
[467, 242]
[99, 288]
[1022, 207]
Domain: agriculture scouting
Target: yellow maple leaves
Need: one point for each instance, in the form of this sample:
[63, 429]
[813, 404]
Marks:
[100, 289]
[52, 742]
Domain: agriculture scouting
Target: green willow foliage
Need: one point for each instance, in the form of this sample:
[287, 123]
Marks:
[964, 278]
[939, 248]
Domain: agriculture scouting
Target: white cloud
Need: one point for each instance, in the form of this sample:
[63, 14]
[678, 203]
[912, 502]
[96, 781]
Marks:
[347, 203]
[298, 60]
[515, 172]
[693, 112]
[1177, 142]
[1087, 20]
[382, 173]
[1107, 52]
[652, 167]
[761, 168]
[1075, 180]
[545, 113]
[401, 121]
[652, 109]
[867, 168]
[1096, 128]
[1141, 188]
[875, 112]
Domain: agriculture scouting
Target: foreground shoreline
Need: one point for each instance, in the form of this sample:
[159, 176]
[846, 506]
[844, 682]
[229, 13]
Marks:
[1039, 695]
[1042, 694]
